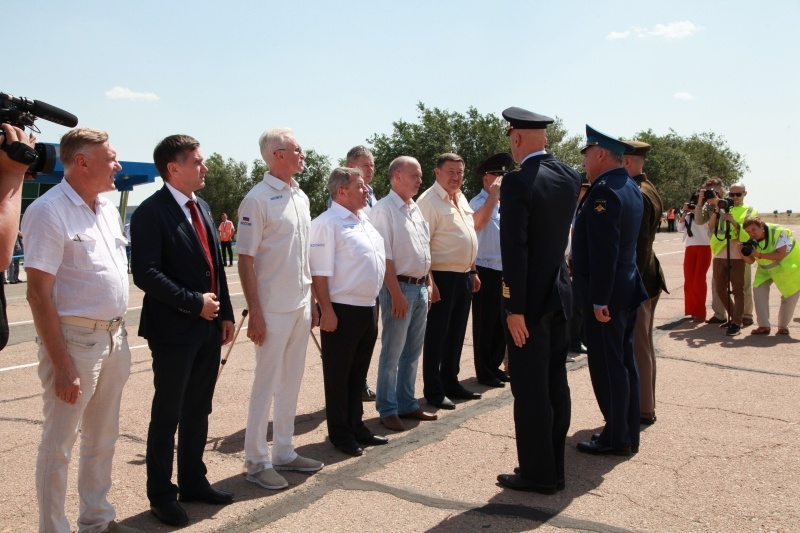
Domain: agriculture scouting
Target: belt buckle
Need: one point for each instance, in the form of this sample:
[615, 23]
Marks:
[115, 320]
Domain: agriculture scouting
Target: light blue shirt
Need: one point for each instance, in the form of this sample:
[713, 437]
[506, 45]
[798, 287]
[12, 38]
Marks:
[489, 236]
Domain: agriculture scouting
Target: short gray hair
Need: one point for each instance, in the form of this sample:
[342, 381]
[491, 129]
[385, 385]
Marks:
[271, 140]
[341, 177]
[614, 156]
[356, 152]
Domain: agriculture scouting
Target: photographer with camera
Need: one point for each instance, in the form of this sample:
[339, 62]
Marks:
[730, 277]
[696, 260]
[774, 250]
[11, 175]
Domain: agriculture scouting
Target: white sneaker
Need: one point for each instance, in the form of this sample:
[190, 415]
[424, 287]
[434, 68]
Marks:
[269, 479]
[301, 464]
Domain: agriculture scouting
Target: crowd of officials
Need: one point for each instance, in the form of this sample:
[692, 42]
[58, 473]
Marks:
[418, 266]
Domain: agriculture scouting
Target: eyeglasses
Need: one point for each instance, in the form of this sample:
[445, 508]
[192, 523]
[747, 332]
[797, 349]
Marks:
[735, 194]
[297, 150]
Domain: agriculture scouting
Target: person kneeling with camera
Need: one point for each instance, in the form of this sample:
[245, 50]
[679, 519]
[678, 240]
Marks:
[774, 250]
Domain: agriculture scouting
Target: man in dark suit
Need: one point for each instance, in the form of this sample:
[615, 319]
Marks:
[609, 289]
[537, 205]
[653, 278]
[186, 317]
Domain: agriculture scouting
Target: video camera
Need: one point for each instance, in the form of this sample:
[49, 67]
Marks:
[22, 113]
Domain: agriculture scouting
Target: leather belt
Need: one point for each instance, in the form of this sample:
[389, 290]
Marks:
[107, 325]
[411, 281]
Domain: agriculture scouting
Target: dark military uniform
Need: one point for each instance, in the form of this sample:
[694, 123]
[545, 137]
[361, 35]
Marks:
[537, 205]
[605, 274]
[654, 283]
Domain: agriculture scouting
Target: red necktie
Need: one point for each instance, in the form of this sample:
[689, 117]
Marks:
[200, 228]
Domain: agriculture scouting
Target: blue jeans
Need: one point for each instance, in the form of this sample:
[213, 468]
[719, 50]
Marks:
[401, 342]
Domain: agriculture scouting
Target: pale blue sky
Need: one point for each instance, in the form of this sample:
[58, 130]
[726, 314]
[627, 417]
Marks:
[339, 72]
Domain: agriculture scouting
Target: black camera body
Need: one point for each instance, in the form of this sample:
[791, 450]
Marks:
[692, 206]
[748, 247]
[22, 113]
[709, 194]
[725, 204]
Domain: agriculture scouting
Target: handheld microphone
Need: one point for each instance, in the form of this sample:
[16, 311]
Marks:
[43, 110]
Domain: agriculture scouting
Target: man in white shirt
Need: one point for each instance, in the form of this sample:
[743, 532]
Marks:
[75, 250]
[348, 263]
[404, 296]
[274, 221]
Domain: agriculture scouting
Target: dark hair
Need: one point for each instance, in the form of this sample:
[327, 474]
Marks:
[173, 148]
[444, 158]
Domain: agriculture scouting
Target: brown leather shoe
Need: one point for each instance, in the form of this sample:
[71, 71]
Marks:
[761, 330]
[393, 423]
[419, 414]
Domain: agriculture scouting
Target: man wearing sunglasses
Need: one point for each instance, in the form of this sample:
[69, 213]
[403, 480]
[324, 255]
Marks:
[727, 224]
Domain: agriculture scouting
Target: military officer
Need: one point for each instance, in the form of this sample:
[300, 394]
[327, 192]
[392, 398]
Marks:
[488, 340]
[653, 278]
[537, 300]
[609, 289]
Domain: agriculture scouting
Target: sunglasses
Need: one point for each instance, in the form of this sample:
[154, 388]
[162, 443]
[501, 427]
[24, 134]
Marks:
[735, 194]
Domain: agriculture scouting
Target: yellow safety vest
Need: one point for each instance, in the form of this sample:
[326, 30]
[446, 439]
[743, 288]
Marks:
[718, 237]
[784, 273]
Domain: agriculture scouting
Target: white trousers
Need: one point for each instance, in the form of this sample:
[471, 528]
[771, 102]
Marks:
[103, 362]
[280, 362]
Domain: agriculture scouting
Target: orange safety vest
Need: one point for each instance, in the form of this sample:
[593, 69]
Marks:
[226, 231]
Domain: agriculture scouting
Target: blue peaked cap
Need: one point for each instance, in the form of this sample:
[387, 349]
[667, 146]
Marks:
[596, 138]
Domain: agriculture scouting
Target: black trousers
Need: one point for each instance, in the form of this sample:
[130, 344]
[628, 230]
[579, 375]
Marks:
[488, 339]
[226, 247]
[444, 334]
[542, 405]
[346, 354]
[184, 376]
[615, 378]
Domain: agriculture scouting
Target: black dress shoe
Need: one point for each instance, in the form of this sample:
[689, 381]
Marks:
[502, 376]
[373, 440]
[560, 484]
[444, 403]
[647, 420]
[208, 495]
[170, 513]
[465, 394]
[516, 482]
[350, 449]
[494, 382]
[595, 436]
[596, 448]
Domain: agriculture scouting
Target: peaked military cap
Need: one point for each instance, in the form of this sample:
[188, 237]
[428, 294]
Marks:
[639, 148]
[522, 119]
[501, 162]
[596, 138]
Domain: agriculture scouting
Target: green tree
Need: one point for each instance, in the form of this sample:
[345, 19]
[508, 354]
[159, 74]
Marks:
[678, 165]
[313, 180]
[471, 135]
[227, 182]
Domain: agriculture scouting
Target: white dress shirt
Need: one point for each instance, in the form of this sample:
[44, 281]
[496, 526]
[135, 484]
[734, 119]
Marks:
[83, 249]
[274, 225]
[347, 249]
[405, 235]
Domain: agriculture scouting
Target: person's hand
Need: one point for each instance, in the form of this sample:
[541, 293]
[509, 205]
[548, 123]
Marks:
[256, 327]
[328, 321]
[602, 314]
[476, 282]
[729, 218]
[399, 306]
[435, 296]
[67, 384]
[518, 329]
[494, 188]
[12, 134]
[228, 331]
[314, 315]
[210, 306]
